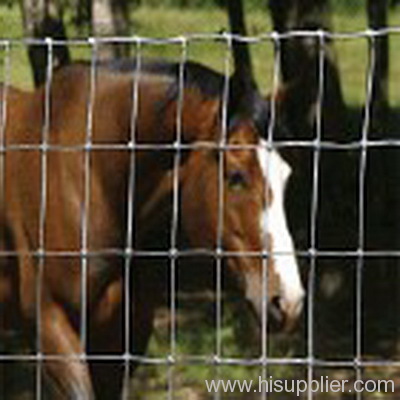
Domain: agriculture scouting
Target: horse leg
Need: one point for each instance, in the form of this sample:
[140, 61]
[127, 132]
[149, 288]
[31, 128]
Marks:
[140, 333]
[106, 339]
[8, 300]
[108, 336]
[69, 378]
[8, 314]
[107, 377]
[9, 308]
[145, 298]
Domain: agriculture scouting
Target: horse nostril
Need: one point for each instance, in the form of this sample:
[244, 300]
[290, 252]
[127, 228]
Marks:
[275, 310]
[276, 301]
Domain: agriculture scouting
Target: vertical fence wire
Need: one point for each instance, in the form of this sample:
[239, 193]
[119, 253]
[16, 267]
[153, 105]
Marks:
[42, 215]
[3, 123]
[3, 118]
[316, 145]
[314, 212]
[177, 145]
[267, 255]
[130, 223]
[85, 205]
[222, 142]
[361, 206]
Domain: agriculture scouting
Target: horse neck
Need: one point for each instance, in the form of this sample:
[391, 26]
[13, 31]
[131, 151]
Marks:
[155, 169]
[189, 117]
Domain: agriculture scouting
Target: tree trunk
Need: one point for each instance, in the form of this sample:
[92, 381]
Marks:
[102, 26]
[377, 18]
[241, 53]
[82, 17]
[300, 69]
[110, 18]
[122, 24]
[43, 18]
[300, 66]
[385, 221]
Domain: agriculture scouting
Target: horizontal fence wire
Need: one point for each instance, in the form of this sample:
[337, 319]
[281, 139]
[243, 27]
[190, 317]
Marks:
[221, 37]
[317, 144]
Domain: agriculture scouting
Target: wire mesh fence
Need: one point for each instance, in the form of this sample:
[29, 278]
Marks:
[219, 360]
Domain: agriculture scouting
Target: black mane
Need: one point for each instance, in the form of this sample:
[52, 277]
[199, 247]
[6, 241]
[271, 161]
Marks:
[242, 103]
[208, 81]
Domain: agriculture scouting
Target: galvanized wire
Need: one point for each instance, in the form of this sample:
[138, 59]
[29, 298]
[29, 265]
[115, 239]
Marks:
[313, 253]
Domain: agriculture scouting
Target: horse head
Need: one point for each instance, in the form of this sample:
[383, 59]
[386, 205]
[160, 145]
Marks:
[238, 208]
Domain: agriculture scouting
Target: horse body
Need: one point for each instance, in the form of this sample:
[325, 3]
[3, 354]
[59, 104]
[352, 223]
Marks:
[92, 184]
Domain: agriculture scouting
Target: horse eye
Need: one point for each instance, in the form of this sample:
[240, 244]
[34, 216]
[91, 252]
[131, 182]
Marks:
[236, 180]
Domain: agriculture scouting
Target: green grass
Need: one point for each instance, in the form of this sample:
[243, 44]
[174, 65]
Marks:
[352, 55]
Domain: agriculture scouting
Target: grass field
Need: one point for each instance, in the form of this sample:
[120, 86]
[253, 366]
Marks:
[352, 56]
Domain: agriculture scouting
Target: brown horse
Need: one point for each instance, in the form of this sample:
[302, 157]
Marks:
[81, 202]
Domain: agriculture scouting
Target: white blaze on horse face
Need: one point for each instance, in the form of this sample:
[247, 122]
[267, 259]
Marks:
[274, 226]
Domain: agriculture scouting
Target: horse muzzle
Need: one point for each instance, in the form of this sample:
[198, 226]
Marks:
[283, 315]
